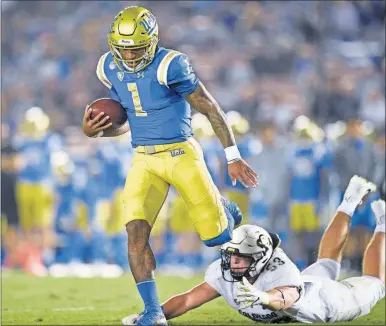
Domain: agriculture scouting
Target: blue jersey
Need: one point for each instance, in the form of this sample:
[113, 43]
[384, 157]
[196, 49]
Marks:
[154, 97]
[65, 207]
[65, 196]
[88, 188]
[107, 158]
[36, 157]
[305, 166]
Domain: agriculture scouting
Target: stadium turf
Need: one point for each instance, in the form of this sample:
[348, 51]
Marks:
[30, 300]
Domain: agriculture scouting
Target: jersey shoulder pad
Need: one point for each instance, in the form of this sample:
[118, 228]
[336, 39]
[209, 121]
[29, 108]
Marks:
[174, 67]
[105, 59]
[163, 67]
[213, 274]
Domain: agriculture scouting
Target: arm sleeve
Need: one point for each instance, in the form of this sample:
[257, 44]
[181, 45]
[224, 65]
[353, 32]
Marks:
[176, 72]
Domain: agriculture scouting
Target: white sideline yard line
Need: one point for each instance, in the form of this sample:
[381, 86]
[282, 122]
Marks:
[73, 309]
[53, 309]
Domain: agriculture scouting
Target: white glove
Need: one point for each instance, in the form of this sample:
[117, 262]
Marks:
[130, 320]
[356, 190]
[379, 208]
[247, 296]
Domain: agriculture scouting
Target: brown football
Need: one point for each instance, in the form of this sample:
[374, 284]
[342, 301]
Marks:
[113, 109]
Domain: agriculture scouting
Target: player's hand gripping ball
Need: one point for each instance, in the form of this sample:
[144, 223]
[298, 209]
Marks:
[103, 115]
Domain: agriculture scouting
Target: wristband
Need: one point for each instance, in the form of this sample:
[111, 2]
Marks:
[99, 134]
[232, 154]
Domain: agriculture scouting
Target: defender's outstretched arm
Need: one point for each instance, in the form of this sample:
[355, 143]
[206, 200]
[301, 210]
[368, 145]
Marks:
[182, 303]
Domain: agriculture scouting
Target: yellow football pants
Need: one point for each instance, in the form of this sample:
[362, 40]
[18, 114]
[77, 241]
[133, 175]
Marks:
[118, 218]
[181, 165]
[303, 217]
[35, 204]
[178, 214]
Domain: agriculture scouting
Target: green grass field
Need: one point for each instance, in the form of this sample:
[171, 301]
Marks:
[29, 300]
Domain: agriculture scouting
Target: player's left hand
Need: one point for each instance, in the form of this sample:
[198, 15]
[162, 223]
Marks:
[240, 170]
[248, 296]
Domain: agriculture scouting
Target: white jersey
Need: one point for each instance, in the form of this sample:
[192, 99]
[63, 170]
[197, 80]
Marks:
[279, 271]
[322, 298]
[328, 300]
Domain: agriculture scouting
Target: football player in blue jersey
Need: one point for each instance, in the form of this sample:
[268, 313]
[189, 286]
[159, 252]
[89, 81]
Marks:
[157, 86]
[34, 190]
[63, 169]
[238, 193]
[309, 167]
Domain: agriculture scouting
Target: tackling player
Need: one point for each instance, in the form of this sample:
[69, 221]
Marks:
[256, 277]
[156, 86]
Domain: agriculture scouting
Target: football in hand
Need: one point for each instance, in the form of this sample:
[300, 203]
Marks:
[111, 108]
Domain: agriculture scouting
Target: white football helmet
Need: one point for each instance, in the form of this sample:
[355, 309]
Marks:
[247, 241]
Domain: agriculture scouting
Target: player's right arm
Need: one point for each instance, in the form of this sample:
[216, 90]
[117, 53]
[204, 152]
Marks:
[238, 169]
[194, 298]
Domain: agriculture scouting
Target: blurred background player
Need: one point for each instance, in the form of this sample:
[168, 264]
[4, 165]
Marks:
[35, 194]
[353, 146]
[10, 233]
[238, 193]
[309, 164]
[63, 170]
[269, 202]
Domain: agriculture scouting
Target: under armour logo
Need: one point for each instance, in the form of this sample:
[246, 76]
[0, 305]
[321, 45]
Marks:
[140, 74]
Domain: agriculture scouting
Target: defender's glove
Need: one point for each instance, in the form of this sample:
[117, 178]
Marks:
[247, 296]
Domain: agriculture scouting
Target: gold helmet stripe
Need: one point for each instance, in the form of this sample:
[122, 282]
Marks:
[162, 71]
[101, 72]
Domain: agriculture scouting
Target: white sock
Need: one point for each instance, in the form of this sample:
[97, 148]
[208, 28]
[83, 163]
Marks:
[347, 207]
[380, 228]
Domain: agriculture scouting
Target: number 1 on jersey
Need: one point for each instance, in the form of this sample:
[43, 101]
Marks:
[139, 112]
